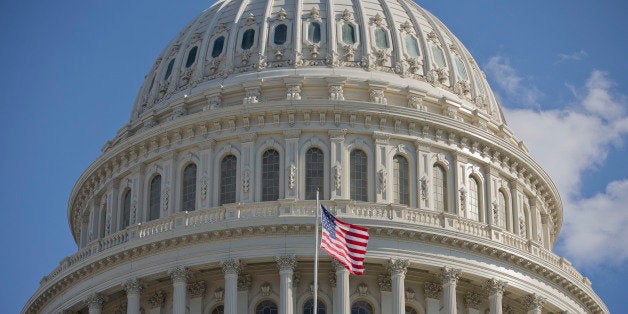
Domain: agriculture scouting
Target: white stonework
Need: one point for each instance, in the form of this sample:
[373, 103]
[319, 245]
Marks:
[204, 200]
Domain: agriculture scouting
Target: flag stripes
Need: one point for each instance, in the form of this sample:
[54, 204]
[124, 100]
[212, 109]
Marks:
[344, 242]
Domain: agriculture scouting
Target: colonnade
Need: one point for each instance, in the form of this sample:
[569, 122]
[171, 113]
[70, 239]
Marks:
[234, 301]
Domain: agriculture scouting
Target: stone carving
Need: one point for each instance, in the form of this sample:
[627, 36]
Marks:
[472, 300]
[296, 279]
[381, 181]
[282, 14]
[219, 294]
[286, 262]
[133, 286]
[423, 186]
[332, 277]
[294, 92]
[495, 213]
[409, 294]
[378, 20]
[336, 92]
[120, 309]
[261, 59]
[495, 286]
[197, 289]
[166, 198]
[463, 198]
[292, 172]
[432, 76]
[204, 185]
[348, 52]
[94, 301]
[384, 282]
[398, 266]
[178, 111]
[157, 300]
[522, 227]
[133, 217]
[179, 274]
[432, 290]
[250, 19]
[246, 180]
[534, 301]
[108, 224]
[231, 266]
[382, 56]
[315, 14]
[463, 88]
[337, 177]
[346, 15]
[244, 282]
[443, 74]
[450, 275]
[362, 289]
[252, 96]
[264, 289]
[377, 96]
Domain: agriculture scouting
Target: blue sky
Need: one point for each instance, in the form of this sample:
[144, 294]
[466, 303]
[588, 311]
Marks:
[71, 70]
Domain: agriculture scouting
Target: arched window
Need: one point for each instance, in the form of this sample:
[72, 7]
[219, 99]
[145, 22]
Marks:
[308, 307]
[348, 33]
[126, 208]
[191, 57]
[314, 32]
[440, 188]
[154, 199]
[228, 170]
[401, 183]
[188, 192]
[266, 307]
[474, 199]
[219, 310]
[247, 39]
[411, 310]
[270, 175]
[439, 57]
[381, 38]
[281, 34]
[314, 173]
[412, 46]
[358, 173]
[219, 43]
[361, 307]
[500, 215]
[169, 69]
[462, 73]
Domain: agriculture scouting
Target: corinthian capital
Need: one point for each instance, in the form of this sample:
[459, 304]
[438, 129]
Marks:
[534, 301]
[133, 286]
[197, 289]
[398, 266]
[179, 274]
[450, 275]
[95, 301]
[432, 290]
[231, 266]
[286, 262]
[495, 286]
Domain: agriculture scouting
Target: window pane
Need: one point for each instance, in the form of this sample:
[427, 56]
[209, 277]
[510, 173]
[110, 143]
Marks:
[412, 46]
[314, 173]
[440, 188]
[439, 58]
[348, 34]
[155, 198]
[189, 188]
[460, 69]
[314, 32]
[228, 171]
[474, 200]
[308, 307]
[401, 185]
[266, 307]
[247, 39]
[361, 307]
[359, 175]
[381, 38]
[126, 209]
[270, 175]
[218, 45]
[281, 33]
[169, 69]
[191, 57]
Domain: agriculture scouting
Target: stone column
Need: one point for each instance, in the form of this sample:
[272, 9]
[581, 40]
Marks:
[133, 288]
[156, 302]
[244, 284]
[94, 303]
[398, 269]
[450, 276]
[231, 269]
[286, 264]
[534, 303]
[515, 207]
[179, 275]
[196, 291]
[472, 302]
[495, 289]
[432, 297]
[385, 291]
[342, 289]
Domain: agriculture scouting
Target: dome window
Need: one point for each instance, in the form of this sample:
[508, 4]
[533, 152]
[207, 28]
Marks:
[169, 69]
[358, 174]
[126, 209]
[460, 69]
[348, 34]
[270, 175]
[314, 32]
[191, 57]
[247, 39]
[381, 38]
[228, 170]
[314, 173]
[281, 34]
[188, 197]
[219, 43]
[439, 181]
[154, 199]
[412, 46]
[439, 57]
[401, 184]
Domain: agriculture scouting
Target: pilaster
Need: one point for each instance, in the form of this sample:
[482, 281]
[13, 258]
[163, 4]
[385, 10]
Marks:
[247, 156]
[432, 292]
[196, 291]
[291, 163]
[382, 190]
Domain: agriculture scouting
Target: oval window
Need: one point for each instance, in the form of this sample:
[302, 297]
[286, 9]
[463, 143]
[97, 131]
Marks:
[348, 34]
[191, 57]
[439, 58]
[247, 39]
[169, 69]
[281, 34]
[219, 43]
[381, 38]
[314, 32]
[412, 46]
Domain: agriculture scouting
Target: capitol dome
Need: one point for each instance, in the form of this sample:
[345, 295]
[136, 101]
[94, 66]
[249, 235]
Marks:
[205, 201]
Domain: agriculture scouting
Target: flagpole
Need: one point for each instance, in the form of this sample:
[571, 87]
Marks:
[315, 301]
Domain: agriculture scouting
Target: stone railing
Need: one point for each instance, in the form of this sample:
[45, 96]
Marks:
[379, 213]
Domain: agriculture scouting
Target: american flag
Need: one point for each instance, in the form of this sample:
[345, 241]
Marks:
[345, 242]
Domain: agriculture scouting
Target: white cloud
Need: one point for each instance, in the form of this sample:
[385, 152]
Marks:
[515, 87]
[567, 142]
[575, 56]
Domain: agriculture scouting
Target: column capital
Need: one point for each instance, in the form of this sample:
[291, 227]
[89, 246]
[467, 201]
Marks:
[495, 286]
[472, 300]
[398, 266]
[158, 299]
[384, 282]
[197, 289]
[94, 301]
[179, 274]
[432, 290]
[286, 262]
[338, 266]
[244, 282]
[231, 266]
[450, 275]
[534, 301]
[133, 286]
